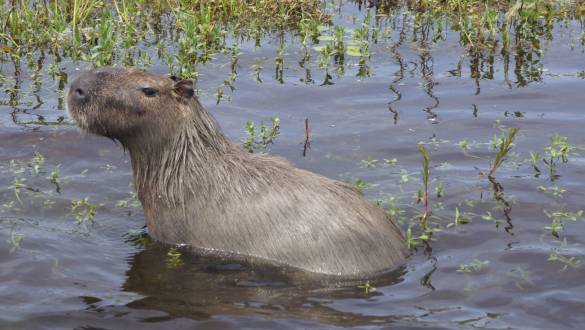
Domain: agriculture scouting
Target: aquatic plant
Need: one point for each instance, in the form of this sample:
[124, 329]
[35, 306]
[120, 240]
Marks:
[460, 218]
[260, 137]
[504, 146]
[370, 162]
[424, 194]
[14, 241]
[475, 266]
[83, 211]
[368, 288]
[534, 158]
[132, 201]
[558, 217]
[174, 258]
[54, 178]
[557, 151]
[138, 238]
[566, 261]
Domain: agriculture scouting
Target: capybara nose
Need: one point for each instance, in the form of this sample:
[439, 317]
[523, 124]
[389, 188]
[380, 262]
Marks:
[80, 87]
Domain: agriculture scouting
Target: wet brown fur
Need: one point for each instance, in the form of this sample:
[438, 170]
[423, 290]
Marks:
[200, 189]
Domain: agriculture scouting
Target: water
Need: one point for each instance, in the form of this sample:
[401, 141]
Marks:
[66, 275]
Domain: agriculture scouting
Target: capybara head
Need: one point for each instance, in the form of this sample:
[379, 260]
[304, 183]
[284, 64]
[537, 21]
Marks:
[123, 104]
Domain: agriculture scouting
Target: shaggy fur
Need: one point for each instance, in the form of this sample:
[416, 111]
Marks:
[200, 189]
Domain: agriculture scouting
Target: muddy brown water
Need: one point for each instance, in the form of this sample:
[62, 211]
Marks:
[66, 275]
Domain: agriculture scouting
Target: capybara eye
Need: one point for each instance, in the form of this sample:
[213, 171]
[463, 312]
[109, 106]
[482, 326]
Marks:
[149, 91]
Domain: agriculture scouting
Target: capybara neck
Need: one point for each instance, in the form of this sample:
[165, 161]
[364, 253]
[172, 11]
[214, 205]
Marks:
[182, 159]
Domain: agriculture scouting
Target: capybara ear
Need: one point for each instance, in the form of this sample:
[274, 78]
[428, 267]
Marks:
[184, 88]
[174, 78]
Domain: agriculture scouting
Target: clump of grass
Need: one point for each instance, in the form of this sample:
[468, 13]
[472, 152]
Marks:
[505, 145]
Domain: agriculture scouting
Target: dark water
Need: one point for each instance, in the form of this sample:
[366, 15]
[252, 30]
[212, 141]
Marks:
[66, 275]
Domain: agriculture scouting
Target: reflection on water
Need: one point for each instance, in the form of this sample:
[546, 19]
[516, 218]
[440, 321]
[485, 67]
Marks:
[348, 115]
[200, 288]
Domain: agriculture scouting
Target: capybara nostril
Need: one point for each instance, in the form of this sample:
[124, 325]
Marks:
[80, 87]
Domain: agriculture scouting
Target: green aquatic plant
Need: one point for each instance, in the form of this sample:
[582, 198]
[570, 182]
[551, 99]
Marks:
[439, 190]
[557, 151]
[138, 238]
[488, 216]
[503, 145]
[279, 63]
[411, 241]
[83, 211]
[424, 194]
[36, 163]
[54, 178]
[370, 162]
[174, 258]
[475, 266]
[534, 158]
[17, 185]
[368, 288]
[558, 217]
[14, 241]
[132, 201]
[554, 190]
[362, 185]
[566, 261]
[464, 145]
[460, 218]
[262, 136]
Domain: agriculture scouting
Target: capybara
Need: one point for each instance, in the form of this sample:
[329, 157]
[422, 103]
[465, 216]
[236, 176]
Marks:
[199, 188]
